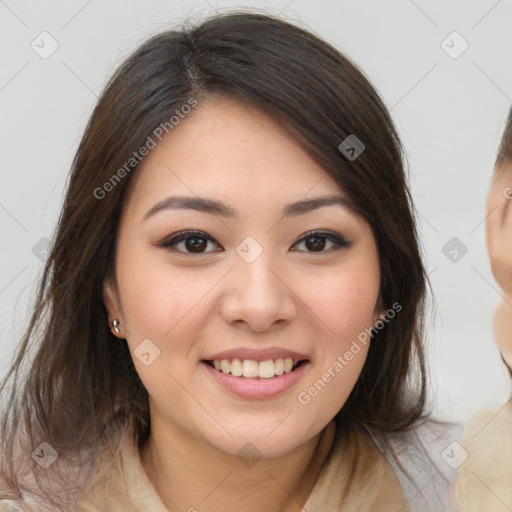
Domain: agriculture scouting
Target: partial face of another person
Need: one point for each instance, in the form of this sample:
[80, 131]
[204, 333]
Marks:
[219, 265]
[498, 225]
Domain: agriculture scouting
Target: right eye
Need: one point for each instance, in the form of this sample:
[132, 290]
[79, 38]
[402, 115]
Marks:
[191, 242]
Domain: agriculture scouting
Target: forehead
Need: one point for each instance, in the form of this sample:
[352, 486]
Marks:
[234, 151]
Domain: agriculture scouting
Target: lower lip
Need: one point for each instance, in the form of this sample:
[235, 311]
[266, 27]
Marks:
[257, 388]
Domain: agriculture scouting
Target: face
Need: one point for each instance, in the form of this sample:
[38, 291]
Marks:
[239, 294]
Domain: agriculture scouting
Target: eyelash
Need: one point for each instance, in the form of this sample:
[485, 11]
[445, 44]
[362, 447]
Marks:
[339, 241]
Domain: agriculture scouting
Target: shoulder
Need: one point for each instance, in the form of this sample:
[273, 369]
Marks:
[487, 439]
[33, 488]
[120, 483]
[486, 464]
[489, 422]
[425, 461]
[356, 476]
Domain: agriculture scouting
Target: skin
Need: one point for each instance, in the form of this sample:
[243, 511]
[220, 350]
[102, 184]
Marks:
[192, 305]
[499, 246]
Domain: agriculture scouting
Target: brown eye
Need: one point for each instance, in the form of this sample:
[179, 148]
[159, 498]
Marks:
[188, 242]
[316, 241]
[196, 244]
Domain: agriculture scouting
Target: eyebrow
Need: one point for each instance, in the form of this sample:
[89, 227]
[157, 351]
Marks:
[214, 207]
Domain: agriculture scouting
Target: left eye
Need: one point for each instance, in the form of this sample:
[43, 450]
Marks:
[316, 241]
[196, 242]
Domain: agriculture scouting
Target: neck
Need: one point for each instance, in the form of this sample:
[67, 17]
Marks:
[188, 475]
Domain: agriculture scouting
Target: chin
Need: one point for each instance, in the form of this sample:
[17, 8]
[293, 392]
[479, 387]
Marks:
[251, 449]
[264, 439]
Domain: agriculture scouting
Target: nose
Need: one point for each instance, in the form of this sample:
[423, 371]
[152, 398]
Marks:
[258, 296]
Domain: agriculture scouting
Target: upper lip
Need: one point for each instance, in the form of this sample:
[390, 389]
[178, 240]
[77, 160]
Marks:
[259, 355]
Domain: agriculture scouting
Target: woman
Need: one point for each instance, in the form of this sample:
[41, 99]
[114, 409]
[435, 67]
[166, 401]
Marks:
[486, 475]
[232, 312]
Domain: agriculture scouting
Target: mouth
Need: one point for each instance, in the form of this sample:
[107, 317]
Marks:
[256, 370]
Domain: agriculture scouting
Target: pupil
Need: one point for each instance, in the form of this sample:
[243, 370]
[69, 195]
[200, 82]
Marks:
[195, 244]
[318, 244]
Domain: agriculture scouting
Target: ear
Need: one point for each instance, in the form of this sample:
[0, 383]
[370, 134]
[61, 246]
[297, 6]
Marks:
[112, 305]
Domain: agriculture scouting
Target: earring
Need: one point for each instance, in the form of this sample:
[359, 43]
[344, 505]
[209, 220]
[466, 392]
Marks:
[115, 324]
[380, 316]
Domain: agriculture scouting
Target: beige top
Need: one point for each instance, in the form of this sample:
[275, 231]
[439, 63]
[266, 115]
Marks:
[486, 461]
[359, 475]
[356, 477]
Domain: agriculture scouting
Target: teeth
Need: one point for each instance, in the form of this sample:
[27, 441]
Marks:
[251, 369]
[225, 366]
[236, 368]
[266, 369]
[279, 366]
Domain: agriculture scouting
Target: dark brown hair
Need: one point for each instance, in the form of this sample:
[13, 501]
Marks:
[504, 155]
[81, 389]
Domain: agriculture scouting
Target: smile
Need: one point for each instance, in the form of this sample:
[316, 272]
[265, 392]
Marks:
[249, 368]
[256, 380]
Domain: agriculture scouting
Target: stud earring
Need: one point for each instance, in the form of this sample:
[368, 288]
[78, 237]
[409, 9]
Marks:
[115, 324]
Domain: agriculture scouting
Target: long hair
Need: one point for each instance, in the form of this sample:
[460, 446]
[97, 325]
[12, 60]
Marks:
[72, 384]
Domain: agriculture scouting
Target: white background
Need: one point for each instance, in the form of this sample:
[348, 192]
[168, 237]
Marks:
[449, 111]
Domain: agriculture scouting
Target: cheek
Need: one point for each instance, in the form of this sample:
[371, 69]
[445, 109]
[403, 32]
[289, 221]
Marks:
[343, 310]
[343, 303]
[161, 304]
[158, 298]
